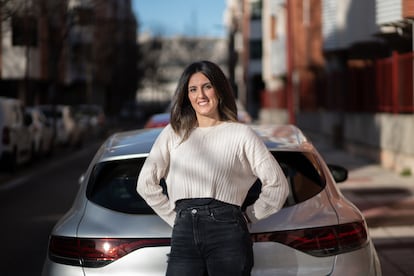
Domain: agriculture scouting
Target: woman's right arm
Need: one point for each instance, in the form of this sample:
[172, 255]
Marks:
[154, 169]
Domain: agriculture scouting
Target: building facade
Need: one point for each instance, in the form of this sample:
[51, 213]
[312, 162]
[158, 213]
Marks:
[69, 52]
[341, 69]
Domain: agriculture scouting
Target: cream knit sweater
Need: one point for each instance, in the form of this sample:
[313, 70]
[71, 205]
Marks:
[220, 162]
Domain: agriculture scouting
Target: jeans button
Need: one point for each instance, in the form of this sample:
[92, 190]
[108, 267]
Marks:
[194, 211]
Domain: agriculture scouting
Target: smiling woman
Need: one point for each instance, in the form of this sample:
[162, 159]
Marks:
[209, 162]
[181, 18]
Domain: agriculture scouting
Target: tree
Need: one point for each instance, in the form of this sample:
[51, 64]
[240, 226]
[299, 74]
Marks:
[86, 50]
[8, 8]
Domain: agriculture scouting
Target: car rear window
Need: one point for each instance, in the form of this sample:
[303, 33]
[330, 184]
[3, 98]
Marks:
[304, 175]
[113, 184]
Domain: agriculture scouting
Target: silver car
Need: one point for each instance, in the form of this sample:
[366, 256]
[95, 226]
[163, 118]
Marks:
[110, 230]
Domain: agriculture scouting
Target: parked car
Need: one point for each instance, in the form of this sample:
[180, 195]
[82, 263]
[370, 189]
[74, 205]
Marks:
[158, 120]
[41, 132]
[15, 142]
[110, 230]
[242, 114]
[131, 111]
[91, 118]
[68, 132]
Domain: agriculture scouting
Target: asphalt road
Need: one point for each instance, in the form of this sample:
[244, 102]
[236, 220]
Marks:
[31, 202]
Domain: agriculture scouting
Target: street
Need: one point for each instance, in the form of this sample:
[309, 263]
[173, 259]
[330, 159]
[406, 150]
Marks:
[32, 200]
[31, 203]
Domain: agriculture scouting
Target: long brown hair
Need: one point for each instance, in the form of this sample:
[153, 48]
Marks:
[183, 116]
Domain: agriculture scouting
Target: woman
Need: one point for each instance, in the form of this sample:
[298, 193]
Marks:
[209, 162]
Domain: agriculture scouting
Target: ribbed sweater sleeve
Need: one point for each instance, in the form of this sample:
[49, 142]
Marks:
[275, 187]
[155, 168]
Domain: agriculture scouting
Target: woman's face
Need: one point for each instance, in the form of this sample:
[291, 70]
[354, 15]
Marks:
[203, 97]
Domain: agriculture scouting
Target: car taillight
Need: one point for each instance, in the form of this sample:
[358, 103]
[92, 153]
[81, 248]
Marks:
[153, 124]
[320, 241]
[5, 136]
[96, 252]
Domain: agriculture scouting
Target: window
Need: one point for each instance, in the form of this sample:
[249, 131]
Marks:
[256, 49]
[83, 16]
[256, 9]
[24, 31]
[304, 177]
[113, 186]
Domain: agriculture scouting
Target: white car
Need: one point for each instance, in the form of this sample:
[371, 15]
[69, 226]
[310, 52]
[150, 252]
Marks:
[15, 136]
[42, 132]
[67, 130]
[90, 118]
[110, 230]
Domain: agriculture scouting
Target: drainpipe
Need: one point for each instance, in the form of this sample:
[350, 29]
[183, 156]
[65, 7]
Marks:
[290, 63]
[412, 49]
[395, 83]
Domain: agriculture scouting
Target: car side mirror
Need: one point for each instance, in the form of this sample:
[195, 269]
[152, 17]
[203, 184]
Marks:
[339, 173]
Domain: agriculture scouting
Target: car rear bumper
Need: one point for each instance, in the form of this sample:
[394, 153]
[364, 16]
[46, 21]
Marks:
[270, 259]
[362, 262]
[51, 268]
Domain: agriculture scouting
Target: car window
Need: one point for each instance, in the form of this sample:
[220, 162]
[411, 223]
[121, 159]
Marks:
[303, 173]
[113, 186]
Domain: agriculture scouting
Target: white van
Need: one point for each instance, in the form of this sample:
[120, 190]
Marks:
[15, 142]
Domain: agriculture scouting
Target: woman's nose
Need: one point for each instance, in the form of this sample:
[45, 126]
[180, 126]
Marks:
[201, 93]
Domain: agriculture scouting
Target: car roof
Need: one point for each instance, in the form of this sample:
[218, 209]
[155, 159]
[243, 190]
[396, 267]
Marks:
[129, 144]
[138, 143]
[161, 117]
[282, 137]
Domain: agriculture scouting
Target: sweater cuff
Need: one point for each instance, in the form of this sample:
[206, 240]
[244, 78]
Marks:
[250, 214]
[171, 219]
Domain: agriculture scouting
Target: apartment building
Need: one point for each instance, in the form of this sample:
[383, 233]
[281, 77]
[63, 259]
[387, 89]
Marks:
[23, 50]
[244, 22]
[278, 46]
[342, 69]
[292, 56]
[72, 51]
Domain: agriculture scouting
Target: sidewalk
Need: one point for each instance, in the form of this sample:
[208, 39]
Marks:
[386, 199]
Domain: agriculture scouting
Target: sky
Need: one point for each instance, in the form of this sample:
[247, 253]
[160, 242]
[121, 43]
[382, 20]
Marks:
[181, 17]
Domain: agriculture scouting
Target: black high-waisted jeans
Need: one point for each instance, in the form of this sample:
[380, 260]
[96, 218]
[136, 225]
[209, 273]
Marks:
[209, 237]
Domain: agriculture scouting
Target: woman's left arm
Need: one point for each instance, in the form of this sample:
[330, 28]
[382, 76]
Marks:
[275, 187]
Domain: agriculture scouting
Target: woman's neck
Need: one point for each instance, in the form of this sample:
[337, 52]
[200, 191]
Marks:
[208, 122]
